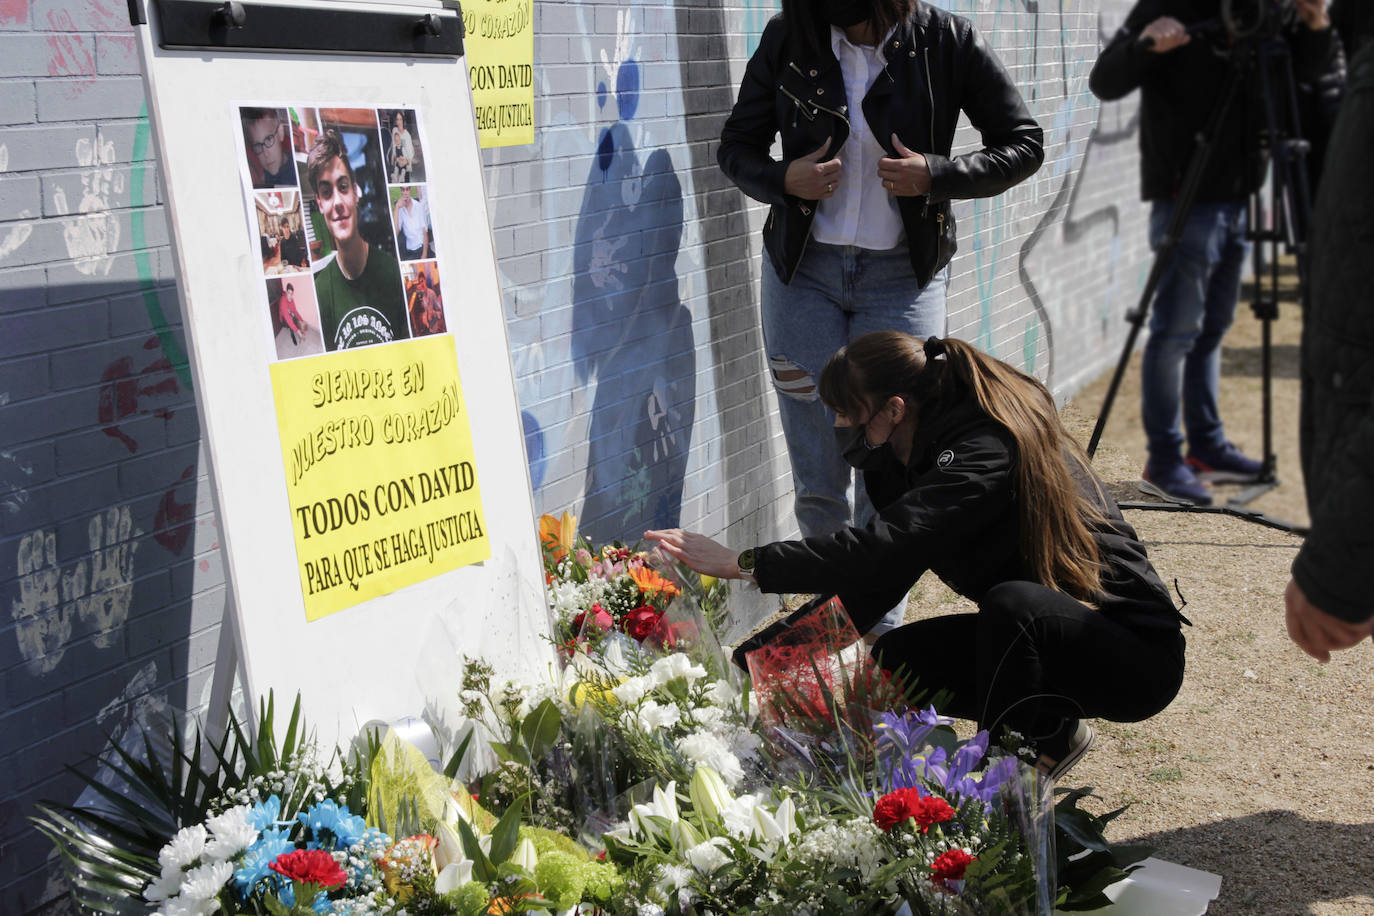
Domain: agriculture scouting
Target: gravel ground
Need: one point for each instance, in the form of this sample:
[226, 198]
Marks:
[1262, 769]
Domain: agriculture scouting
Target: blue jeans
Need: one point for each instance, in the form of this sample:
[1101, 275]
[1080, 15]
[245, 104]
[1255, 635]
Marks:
[1193, 308]
[837, 294]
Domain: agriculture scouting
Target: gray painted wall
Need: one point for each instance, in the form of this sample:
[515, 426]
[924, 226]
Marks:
[631, 273]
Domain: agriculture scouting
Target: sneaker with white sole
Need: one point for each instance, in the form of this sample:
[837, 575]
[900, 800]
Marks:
[1059, 755]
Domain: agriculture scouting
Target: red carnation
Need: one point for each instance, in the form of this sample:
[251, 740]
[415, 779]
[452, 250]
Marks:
[931, 810]
[950, 865]
[642, 621]
[895, 807]
[902, 804]
[310, 866]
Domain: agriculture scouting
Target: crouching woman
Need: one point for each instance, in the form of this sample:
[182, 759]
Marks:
[975, 479]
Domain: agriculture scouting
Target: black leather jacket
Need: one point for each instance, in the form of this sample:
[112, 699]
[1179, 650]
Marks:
[953, 510]
[937, 64]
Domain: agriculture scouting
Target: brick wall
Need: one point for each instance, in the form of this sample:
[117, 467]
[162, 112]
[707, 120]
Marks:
[631, 275]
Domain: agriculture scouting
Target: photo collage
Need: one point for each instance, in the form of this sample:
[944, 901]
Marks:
[342, 214]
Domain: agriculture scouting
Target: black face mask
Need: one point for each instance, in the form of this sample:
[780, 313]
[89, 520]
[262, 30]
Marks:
[855, 450]
[845, 13]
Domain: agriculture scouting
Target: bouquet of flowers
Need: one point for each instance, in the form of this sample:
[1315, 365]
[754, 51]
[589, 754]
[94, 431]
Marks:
[598, 591]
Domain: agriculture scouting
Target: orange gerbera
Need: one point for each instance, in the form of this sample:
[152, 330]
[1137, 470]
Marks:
[557, 534]
[652, 584]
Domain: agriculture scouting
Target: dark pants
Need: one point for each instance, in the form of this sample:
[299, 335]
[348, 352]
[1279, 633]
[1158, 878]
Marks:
[1032, 658]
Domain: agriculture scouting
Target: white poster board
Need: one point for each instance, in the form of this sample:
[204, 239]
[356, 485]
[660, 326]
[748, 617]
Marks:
[386, 628]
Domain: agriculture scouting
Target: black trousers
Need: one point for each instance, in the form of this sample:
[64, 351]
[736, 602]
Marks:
[1033, 658]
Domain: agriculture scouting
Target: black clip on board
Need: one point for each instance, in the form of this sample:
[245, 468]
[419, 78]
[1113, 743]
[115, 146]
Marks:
[192, 25]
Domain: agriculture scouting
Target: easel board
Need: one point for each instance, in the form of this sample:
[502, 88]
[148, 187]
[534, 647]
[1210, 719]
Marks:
[364, 437]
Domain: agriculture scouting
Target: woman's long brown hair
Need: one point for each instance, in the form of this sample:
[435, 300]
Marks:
[1054, 514]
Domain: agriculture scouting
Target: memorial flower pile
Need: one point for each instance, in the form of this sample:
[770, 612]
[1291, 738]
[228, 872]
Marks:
[647, 776]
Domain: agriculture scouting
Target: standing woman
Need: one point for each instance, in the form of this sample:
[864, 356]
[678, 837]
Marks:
[866, 95]
[975, 478]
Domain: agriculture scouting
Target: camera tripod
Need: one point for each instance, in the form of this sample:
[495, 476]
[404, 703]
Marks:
[1268, 60]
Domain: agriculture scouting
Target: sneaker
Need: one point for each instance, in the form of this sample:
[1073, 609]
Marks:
[1174, 482]
[1225, 464]
[1058, 756]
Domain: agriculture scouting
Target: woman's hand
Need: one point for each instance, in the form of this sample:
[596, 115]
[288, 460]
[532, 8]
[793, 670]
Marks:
[698, 551]
[906, 176]
[811, 179]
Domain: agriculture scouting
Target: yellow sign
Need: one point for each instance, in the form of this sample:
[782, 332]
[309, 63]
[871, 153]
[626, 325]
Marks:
[379, 470]
[499, 45]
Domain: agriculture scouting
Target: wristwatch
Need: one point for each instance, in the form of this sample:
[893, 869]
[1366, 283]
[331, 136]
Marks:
[746, 561]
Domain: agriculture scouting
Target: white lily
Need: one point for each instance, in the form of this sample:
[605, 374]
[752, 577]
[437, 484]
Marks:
[683, 835]
[711, 798]
[453, 876]
[525, 856]
[664, 805]
[786, 816]
[450, 848]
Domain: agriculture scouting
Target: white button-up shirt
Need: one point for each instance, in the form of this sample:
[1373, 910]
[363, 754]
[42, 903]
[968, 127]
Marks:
[861, 213]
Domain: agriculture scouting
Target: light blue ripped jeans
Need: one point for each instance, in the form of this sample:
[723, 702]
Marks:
[837, 294]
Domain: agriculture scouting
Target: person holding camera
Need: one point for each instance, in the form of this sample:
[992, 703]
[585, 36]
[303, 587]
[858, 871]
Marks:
[1328, 601]
[975, 478]
[1178, 54]
[865, 96]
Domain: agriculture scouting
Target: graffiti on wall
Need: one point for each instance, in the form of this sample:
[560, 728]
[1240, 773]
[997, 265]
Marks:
[631, 335]
[1046, 232]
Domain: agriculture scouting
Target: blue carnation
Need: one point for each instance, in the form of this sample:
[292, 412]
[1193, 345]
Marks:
[345, 827]
[259, 856]
[265, 814]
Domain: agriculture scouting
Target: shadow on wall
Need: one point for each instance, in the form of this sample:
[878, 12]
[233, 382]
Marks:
[109, 551]
[632, 335]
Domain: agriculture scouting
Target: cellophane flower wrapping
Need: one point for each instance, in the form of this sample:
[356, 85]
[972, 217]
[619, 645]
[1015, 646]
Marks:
[817, 688]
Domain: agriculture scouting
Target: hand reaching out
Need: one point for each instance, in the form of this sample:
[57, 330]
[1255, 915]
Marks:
[698, 551]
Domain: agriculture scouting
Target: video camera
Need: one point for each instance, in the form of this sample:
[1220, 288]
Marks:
[1246, 19]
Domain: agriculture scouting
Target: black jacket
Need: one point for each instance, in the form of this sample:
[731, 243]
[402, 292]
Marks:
[1337, 426]
[953, 510]
[1179, 90]
[937, 64]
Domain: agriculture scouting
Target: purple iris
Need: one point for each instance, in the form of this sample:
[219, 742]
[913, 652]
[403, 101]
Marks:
[904, 763]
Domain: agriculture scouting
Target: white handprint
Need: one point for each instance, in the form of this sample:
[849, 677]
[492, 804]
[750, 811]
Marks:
[106, 606]
[93, 235]
[19, 233]
[43, 623]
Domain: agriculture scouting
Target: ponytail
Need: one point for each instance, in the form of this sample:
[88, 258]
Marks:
[1055, 537]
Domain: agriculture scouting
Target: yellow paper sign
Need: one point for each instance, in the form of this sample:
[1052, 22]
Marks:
[499, 45]
[379, 470]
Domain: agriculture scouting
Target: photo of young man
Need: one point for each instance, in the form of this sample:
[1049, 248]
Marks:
[267, 139]
[424, 298]
[358, 283]
[410, 213]
[295, 317]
